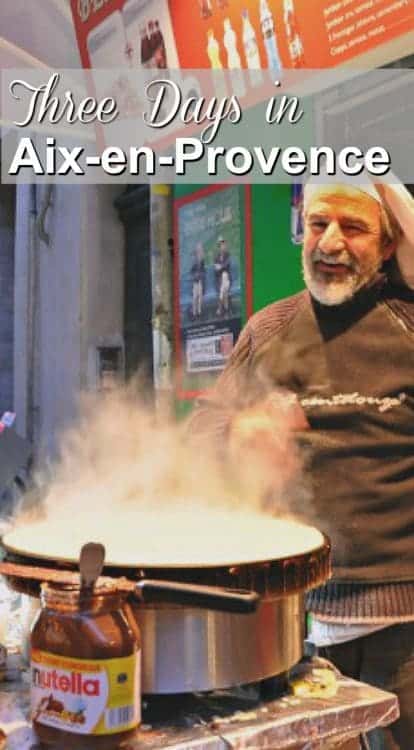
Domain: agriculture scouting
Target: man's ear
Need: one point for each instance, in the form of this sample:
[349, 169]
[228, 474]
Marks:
[389, 249]
[390, 246]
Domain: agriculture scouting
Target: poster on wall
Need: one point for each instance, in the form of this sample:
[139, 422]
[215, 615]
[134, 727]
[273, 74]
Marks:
[212, 281]
[284, 34]
[121, 37]
[133, 34]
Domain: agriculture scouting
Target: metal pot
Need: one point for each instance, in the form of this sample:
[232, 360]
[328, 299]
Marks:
[190, 650]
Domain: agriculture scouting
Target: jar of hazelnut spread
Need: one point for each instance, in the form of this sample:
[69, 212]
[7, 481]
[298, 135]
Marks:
[85, 669]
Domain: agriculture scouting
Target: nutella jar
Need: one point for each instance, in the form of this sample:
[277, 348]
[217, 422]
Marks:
[85, 669]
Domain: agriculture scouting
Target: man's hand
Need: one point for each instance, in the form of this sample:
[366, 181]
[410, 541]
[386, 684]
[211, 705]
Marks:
[401, 203]
[261, 445]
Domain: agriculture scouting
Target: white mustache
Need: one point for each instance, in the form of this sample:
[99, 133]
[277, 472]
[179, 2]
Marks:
[343, 258]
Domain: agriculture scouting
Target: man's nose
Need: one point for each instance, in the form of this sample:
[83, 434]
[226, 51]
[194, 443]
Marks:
[333, 239]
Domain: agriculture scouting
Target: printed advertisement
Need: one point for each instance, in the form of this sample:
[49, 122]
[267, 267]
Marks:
[212, 274]
[282, 34]
[121, 37]
[124, 33]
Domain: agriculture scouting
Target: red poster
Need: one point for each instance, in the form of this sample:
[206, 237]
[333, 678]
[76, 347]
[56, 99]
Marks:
[284, 33]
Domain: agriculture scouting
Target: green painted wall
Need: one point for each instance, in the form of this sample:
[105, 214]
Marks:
[276, 260]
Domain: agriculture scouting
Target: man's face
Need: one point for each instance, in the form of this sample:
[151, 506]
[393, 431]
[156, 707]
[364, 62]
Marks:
[342, 246]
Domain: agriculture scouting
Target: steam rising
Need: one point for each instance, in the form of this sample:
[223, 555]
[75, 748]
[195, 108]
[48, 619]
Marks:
[121, 458]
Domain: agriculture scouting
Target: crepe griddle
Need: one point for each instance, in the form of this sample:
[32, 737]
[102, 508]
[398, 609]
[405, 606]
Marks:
[166, 539]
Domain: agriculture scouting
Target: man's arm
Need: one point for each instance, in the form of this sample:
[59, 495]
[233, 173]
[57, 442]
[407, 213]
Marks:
[401, 203]
[214, 412]
[247, 423]
[241, 397]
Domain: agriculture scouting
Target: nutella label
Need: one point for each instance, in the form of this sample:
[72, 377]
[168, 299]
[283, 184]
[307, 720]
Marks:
[94, 697]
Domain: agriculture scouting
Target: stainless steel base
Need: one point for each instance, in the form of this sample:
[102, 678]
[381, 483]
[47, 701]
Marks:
[187, 650]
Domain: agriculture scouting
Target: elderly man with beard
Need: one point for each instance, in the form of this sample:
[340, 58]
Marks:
[343, 350]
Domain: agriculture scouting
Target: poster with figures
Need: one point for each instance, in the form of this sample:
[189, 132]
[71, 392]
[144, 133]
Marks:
[133, 34]
[212, 281]
[285, 34]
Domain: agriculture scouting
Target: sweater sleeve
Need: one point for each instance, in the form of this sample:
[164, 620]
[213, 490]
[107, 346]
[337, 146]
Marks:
[239, 384]
[213, 413]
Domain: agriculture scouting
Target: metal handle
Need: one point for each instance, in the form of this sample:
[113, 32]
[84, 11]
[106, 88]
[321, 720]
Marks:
[192, 595]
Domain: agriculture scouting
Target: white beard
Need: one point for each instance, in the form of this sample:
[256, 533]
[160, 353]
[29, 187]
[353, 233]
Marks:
[335, 292]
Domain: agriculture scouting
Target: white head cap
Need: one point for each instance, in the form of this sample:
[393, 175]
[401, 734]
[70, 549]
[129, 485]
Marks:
[361, 182]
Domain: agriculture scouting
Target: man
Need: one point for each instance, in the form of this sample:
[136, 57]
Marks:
[222, 272]
[198, 278]
[345, 348]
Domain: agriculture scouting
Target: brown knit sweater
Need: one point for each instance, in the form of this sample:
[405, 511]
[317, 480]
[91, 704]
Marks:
[351, 367]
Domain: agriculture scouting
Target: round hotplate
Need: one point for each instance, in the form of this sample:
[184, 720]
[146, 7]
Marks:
[166, 539]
